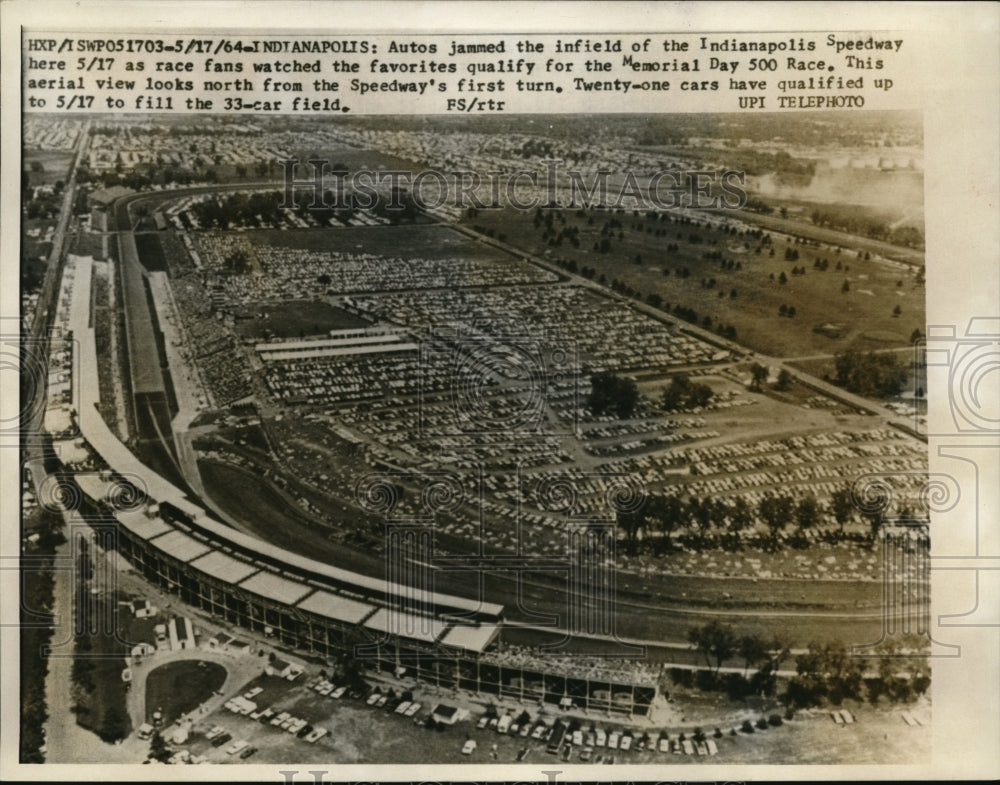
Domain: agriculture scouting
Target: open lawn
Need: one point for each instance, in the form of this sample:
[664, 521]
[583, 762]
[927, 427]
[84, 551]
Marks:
[55, 166]
[640, 260]
[99, 665]
[150, 251]
[293, 319]
[178, 687]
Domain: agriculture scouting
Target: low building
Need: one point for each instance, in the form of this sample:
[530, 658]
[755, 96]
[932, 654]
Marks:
[278, 667]
[100, 201]
[448, 715]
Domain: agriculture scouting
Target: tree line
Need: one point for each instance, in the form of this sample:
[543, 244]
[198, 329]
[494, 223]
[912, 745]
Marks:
[722, 522]
[896, 669]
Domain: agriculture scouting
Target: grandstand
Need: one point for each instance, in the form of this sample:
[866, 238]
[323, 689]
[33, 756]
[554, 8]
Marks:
[309, 605]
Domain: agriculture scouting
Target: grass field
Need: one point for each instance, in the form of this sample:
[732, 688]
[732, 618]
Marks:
[150, 251]
[638, 259]
[429, 242]
[293, 319]
[101, 654]
[55, 166]
[178, 687]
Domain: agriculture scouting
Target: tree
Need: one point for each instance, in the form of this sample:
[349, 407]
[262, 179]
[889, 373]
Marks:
[807, 513]
[808, 687]
[702, 512]
[740, 514]
[682, 392]
[158, 749]
[784, 379]
[630, 522]
[612, 393]
[871, 374]
[752, 649]
[758, 375]
[776, 512]
[116, 725]
[665, 513]
[714, 640]
[841, 506]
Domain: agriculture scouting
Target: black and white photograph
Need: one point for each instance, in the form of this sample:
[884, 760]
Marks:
[546, 404]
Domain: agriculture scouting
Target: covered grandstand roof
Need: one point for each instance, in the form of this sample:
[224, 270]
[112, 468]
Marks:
[334, 606]
[180, 545]
[224, 566]
[470, 638]
[395, 622]
[138, 522]
[274, 587]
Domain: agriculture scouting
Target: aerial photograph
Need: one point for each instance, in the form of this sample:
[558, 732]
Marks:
[540, 439]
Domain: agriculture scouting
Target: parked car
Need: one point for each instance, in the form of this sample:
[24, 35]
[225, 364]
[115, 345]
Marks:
[248, 752]
[225, 738]
[469, 747]
[316, 735]
[251, 694]
[237, 746]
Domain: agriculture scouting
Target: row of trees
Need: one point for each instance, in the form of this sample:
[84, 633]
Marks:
[896, 668]
[722, 521]
[857, 220]
[828, 673]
